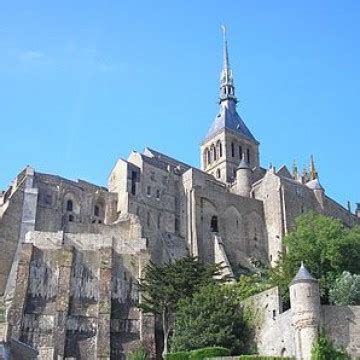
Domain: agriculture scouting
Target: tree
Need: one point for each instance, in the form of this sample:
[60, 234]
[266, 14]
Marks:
[164, 286]
[346, 290]
[212, 317]
[325, 245]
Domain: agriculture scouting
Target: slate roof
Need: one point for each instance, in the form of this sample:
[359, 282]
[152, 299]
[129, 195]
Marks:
[228, 118]
[302, 275]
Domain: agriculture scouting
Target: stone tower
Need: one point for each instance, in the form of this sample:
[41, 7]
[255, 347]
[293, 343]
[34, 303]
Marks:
[243, 178]
[305, 308]
[228, 137]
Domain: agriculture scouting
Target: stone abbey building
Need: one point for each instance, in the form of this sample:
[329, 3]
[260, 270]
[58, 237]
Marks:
[71, 251]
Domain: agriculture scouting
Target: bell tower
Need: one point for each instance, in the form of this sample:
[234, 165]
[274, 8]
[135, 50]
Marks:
[228, 138]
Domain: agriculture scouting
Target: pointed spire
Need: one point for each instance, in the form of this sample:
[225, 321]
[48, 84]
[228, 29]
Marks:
[227, 89]
[295, 170]
[226, 54]
[313, 173]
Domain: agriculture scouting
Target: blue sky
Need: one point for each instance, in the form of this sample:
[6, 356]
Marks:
[85, 82]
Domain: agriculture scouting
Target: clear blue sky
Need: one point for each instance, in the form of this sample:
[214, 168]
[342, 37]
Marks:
[85, 82]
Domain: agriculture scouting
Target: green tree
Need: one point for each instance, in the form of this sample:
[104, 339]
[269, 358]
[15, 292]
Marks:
[212, 317]
[162, 287]
[346, 290]
[325, 245]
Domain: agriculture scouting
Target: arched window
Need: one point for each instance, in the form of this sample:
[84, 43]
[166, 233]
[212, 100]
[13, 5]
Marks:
[220, 149]
[96, 210]
[232, 149]
[69, 205]
[214, 224]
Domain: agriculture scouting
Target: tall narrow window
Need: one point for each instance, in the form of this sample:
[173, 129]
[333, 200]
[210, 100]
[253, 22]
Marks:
[158, 194]
[159, 221]
[214, 153]
[232, 149]
[214, 224]
[248, 155]
[220, 149]
[176, 224]
[209, 157]
[96, 210]
[133, 182]
[148, 191]
[218, 173]
[69, 205]
[240, 152]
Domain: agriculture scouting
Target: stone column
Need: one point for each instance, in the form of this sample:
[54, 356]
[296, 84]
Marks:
[104, 317]
[66, 255]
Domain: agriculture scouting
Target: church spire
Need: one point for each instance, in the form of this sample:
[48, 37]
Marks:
[227, 89]
[313, 172]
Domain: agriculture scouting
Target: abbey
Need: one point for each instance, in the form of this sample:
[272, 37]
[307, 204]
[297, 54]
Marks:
[71, 251]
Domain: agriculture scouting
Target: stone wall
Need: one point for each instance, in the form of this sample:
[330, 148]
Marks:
[342, 325]
[79, 300]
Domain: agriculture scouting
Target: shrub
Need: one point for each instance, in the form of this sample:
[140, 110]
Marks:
[260, 357]
[208, 353]
[138, 354]
[181, 355]
[324, 349]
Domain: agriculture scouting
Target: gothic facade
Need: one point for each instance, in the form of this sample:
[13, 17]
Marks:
[71, 251]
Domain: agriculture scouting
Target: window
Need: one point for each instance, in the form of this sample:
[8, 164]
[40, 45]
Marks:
[176, 224]
[214, 153]
[248, 155]
[218, 173]
[48, 199]
[96, 210]
[158, 194]
[133, 182]
[220, 149]
[214, 224]
[209, 157]
[232, 149]
[159, 221]
[148, 191]
[71, 218]
[240, 152]
[69, 205]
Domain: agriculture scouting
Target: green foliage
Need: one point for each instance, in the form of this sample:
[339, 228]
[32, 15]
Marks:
[346, 290]
[248, 285]
[164, 286]
[138, 354]
[181, 355]
[325, 245]
[212, 317]
[260, 357]
[209, 352]
[198, 354]
[324, 349]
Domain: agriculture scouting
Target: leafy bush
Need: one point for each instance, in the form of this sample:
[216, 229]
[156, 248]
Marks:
[346, 290]
[324, 349]
[209, 352]
[182, 355]
[260, 357]
[138, 354]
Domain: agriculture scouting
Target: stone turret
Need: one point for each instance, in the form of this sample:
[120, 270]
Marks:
[243, 178]
[305, 308]
[357, 211]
